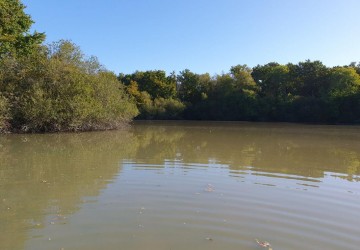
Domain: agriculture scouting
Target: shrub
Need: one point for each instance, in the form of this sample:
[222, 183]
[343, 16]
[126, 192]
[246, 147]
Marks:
[163, 109]
[58, 89]
[4, 113]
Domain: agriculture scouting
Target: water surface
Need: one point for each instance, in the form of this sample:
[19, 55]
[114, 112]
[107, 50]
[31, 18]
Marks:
[182, 185]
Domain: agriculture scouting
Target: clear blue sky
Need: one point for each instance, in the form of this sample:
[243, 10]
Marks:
[203, 35]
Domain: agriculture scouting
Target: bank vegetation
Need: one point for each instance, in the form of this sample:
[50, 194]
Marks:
[55, 87]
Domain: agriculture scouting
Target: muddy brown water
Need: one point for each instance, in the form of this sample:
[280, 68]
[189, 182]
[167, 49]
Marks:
[182, 185]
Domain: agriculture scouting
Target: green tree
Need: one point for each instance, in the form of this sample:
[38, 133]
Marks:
[343, 95]
[243, 80]
[276, 91]
[232, 96]
[343, 82]
[156, 83]
[154, 94]
[309, 78]
[15, 38]
[273, 80]
[142, 99]
[193, 87]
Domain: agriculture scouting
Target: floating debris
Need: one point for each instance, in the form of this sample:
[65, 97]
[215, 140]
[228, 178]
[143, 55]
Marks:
[141, 210]
[209, 188]
[263, 244]
[59, 217]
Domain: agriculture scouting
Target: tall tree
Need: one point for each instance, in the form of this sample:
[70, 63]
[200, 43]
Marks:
[242, 76]
[156, 83]
[15, 37]
[193, 87]
[309, 78]
[343, 82]
[273, 80]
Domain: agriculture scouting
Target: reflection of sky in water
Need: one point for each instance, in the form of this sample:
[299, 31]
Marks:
[155, 206]
[294, 185]
[330, 182]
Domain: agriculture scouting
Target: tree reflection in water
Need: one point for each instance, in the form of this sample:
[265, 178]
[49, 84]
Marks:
[51, 174]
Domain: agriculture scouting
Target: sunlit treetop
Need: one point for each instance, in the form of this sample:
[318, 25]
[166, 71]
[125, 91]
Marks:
[15, 37]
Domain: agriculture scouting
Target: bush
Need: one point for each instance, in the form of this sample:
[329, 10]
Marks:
[4, 113]
[163, 109]
[58, 89]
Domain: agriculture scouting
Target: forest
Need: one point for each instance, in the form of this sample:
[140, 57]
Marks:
[307, 92]
[55, 87]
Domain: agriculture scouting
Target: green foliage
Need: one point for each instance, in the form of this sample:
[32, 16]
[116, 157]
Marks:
[154, 94]
[141, 98]
[15, 39]
[343, 82]
[156, 83]
[273, 81]
[4, 113]
[308, 109]
[230, 96]
[193, 87]
[355, 66]
[243, 80]
[309, 78]
[348, 109]
[59, 90]
[304, 92]
[163, 109]
[276, 91]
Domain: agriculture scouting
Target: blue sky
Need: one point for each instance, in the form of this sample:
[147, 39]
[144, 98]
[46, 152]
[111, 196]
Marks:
[203, 35]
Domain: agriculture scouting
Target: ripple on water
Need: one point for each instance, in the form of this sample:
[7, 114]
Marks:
[321, 215]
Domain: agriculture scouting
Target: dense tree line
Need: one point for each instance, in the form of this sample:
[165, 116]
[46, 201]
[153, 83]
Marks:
[304, 92]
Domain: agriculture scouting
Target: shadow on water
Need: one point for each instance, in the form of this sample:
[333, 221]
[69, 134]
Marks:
[53, 174]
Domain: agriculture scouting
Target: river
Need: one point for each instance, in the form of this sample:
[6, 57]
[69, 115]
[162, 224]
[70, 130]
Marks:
[182, 185]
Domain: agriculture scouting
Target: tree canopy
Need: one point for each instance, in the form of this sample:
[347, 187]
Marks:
[307, 91]
[15, 36]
